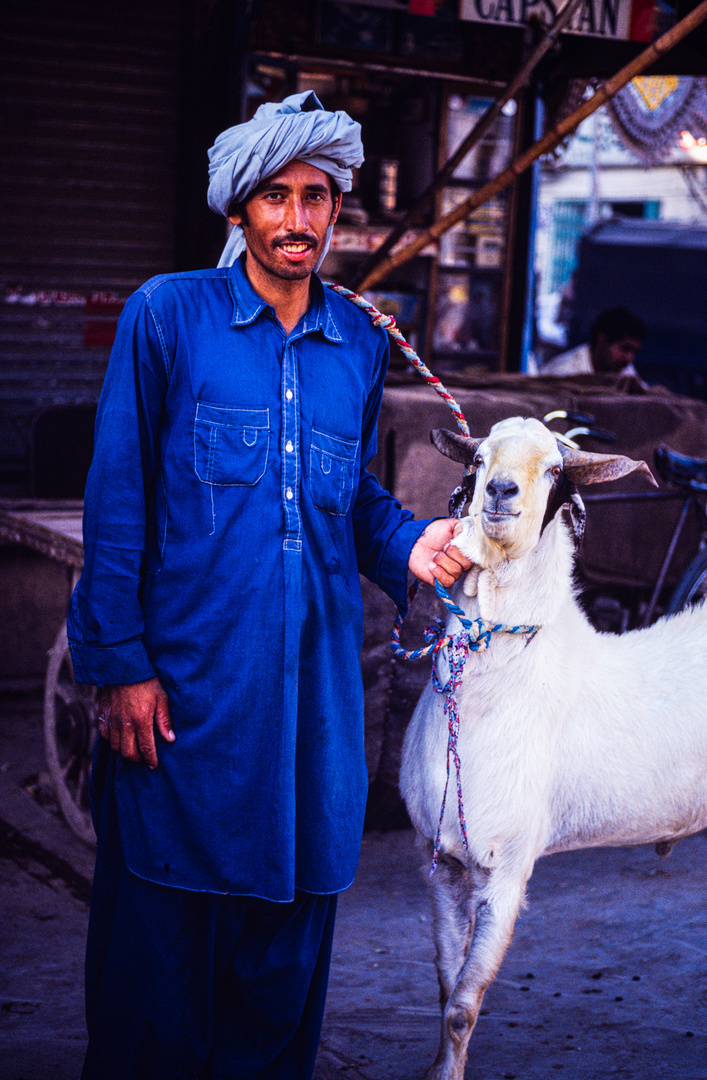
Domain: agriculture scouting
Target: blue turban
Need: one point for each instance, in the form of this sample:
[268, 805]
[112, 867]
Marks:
[296, 129]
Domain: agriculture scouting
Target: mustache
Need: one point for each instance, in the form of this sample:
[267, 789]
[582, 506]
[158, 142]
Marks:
[295, 238]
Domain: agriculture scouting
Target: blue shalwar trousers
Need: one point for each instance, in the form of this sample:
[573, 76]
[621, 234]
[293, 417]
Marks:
[184, 985]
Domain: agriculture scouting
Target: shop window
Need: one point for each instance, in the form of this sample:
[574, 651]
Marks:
[469, 279]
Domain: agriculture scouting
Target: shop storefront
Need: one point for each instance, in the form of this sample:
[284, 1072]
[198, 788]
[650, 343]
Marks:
[407, 79]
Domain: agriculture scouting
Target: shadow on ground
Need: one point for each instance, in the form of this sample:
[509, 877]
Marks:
[606, 977]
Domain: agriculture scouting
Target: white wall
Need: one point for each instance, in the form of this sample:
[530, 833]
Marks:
[596, 163]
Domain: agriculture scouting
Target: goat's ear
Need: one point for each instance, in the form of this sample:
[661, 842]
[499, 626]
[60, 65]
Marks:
[454, 446]
[578, 518]
[462, 495]
[585, 468]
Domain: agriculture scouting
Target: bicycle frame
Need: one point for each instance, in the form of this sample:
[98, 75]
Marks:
[689, 497]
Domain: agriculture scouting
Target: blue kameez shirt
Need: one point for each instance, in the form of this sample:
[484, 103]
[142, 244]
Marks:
[228, 512]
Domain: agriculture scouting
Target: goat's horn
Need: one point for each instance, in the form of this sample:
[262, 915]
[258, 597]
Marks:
[454, 446]
[582, 467]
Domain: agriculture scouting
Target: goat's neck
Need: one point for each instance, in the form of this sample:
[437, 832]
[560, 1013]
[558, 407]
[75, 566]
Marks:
[531, 588]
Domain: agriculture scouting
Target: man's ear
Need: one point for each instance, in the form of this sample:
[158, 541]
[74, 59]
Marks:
[335, 212]
[238, 215]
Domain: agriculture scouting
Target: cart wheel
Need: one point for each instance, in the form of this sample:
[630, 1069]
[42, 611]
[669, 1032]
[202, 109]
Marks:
[70, 725]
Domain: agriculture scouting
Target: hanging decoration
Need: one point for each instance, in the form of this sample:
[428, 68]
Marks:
[650, 113]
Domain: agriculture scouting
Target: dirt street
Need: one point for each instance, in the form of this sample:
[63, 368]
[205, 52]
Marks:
[606, 977]
[44, 889]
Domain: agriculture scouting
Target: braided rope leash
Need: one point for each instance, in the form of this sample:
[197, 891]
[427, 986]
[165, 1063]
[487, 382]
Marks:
[476, 634]
[477, 631]
[387, 322]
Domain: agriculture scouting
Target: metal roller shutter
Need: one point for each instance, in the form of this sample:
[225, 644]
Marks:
[90, 96]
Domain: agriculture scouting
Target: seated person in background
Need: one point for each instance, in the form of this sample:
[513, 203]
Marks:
[615, 337]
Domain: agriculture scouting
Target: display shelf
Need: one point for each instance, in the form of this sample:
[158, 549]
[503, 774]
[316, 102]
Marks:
[468, 282]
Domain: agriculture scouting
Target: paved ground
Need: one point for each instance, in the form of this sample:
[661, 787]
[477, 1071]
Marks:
[606, 977]
[44, 877]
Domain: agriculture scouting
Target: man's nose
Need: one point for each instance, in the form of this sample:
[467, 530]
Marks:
[295, 217]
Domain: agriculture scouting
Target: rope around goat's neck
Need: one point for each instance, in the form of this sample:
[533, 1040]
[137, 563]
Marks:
[474, 637]
[476, 631]
[476, 634]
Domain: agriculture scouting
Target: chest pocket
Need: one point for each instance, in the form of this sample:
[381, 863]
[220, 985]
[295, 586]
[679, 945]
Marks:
[332, 464]
[231, 446]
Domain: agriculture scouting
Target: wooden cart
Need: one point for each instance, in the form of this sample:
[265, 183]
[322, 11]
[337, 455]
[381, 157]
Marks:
[70, 710]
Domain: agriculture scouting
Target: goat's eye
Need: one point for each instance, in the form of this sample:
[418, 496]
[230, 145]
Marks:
[556, 470]
[478, 460]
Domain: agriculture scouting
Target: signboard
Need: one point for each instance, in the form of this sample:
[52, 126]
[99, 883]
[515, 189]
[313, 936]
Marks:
[628, 20]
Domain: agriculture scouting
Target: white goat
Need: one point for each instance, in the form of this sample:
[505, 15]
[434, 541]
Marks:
[567, 739]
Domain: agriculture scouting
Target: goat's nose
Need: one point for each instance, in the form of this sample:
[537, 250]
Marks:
[501, 485]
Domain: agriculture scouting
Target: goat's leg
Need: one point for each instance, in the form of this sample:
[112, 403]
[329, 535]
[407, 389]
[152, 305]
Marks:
[453, 921]
[495, 918]
[453, 912]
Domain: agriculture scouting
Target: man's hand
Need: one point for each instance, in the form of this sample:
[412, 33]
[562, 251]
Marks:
[128, 716]
[434, 555]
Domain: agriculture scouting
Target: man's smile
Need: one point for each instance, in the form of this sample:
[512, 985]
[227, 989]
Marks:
[295, 249]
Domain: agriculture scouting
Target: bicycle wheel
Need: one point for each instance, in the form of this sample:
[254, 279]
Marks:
[692, 587]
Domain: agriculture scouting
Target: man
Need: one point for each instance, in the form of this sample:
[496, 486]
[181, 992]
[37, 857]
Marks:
[615, 337]
[228, 512]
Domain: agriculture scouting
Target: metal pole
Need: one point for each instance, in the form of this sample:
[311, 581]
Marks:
[594, 171]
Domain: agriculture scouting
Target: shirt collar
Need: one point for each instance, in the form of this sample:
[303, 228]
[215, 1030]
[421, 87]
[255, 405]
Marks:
[248, 305]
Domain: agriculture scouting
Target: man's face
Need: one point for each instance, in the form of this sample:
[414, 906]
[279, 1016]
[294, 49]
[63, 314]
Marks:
[285, 222]
[614, 355]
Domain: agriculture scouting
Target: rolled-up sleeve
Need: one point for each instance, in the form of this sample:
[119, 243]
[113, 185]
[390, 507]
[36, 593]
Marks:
[105, 621]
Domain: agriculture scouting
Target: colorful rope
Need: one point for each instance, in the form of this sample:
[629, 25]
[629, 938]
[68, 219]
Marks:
[476, 634]
[477, 631]
[387, 322]
[457, 655]
[475, 637]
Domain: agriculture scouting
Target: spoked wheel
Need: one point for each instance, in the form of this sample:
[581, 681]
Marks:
[692, 588]
[70, 725]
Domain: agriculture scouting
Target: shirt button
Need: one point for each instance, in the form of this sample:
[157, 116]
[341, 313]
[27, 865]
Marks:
[289, 395]
[288, 446]
[289, 493]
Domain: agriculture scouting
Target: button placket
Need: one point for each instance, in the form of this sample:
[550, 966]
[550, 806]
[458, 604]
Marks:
[290, 450]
